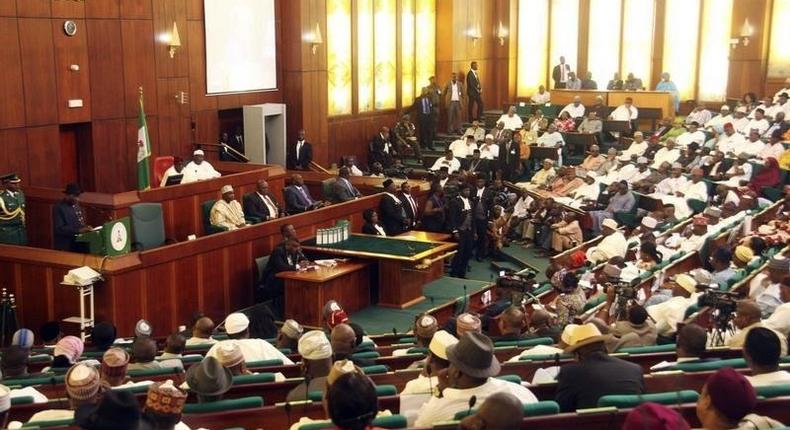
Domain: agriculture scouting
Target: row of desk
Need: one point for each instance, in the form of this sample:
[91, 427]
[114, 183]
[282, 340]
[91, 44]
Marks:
[213, 274]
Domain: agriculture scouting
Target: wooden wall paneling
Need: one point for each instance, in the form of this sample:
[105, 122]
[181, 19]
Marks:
[239, 258]
[43, 150]
[102, 8]
[33, 8]
[206, 125]
[159, 288]
[197, 69]
[38, 65]
[111, 149]
[127, 295]
[748, 64]
[174, 118]
[105, 46]
[189, 299]
[71, 84]
[136, 9]
[12, 92]
[68, 9]
[195, 10]
[139, 65]
[8, 8]
[34, 281]
[165, 13]
[13, 151]
[213, 266]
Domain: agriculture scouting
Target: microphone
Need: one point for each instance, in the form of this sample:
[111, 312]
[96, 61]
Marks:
[288, 412]
[395, 332]
[472, 401]
[428, 372]
[307, 379]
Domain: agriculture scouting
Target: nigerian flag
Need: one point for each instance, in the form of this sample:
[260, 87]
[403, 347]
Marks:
[143, 151]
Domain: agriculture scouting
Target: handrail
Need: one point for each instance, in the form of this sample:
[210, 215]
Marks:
[230, 149]
[317, 167]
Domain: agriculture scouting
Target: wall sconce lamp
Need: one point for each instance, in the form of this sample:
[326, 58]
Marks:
[174, 41]
[747, 31]
[475, 34]
[314, 38]
[501, 33]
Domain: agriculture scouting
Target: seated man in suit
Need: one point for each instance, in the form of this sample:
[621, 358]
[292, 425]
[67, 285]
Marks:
[301, 154]
[227, 211]
[381, 149]
[595, 373]
[286, 256]
[297, 197]
[393, 214]
[343, 189]
[68, 220]
[261, 204]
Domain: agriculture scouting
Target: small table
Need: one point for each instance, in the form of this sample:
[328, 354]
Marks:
[307, 292]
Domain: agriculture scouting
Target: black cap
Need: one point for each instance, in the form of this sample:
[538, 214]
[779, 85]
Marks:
[72, 189]
[10, 178]
[387, 183]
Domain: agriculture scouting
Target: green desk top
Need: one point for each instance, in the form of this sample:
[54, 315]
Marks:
[378, 245]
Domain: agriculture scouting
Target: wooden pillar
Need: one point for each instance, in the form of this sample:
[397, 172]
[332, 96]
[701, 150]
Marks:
[305, 75]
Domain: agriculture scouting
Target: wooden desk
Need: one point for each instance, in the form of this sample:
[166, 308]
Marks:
[662, 100]
[564, 97]
[306, 292]
[400, 280]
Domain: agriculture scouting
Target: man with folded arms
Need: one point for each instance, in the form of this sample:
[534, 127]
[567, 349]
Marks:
[473, 367]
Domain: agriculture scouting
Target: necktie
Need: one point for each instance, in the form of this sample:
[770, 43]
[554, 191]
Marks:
[304, 194]
[298, 147]
[425, 109]
[413, 205]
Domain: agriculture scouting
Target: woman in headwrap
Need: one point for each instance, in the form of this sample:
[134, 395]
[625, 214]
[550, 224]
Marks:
[768, 177]
[570, 298]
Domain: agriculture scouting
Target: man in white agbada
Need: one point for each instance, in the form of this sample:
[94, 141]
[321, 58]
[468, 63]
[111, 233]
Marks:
[700, 115]
[675, 183]
[676, 190]
[625, 112]
[637, 147]
[552, 139]
[668, 154]
[740, 122]
[473, 367]
[463, 147]
[759, 122]
[436, 360]
[511, 120]
[692, 134]
[237, 327]
[198, 169]
[730, 142]
[752, 146]
[587, 192]
[613, 243]
[227, 211]
[779, 321]
[542, 177]
[717, 122]
[575, 109]
[449, 161]
[741, 170]
[669, 313]
[488, 149]
[628, 172]
[766, 288]
[476, 131]
[541, 97]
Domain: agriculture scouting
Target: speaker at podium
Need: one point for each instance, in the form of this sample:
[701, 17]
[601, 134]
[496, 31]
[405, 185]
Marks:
[111, 239]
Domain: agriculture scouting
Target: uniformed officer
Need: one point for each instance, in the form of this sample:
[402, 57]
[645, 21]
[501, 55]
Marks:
[12, 211]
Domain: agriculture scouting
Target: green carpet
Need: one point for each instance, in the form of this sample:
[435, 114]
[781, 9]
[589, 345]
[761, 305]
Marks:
[380, 320]
[527, 255]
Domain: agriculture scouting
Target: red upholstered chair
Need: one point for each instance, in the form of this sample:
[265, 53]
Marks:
[161, 164]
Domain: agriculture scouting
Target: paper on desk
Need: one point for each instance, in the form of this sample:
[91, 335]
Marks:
[546, 375]
[326, 263]
[29, 391]
[663, 365]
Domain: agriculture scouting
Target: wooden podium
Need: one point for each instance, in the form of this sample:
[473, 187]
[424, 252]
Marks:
[112, 239]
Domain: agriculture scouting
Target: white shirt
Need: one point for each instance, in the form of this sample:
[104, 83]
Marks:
[769, 151]
[299, 145]
[551, 139]
[718, 121]
[200, 341]
[171, 171]
[671, 185]
[686, 138]
[521, 206]
[489, 152]
[253, 350]
[269, 205]
[465, 201]
[665, 155]
[740, 124]
[194, 172]
[701, 117]
[736, 180]
[459, 148]
[541, 99]
[669, 313]
[751, 148]
[622, 113]
[727, 144]
[759, 124]
[772, 378]
[779, 320]
[354, 171]
[610, 246]
[452, 165]
[455, 95]
[776, 108]
[698, 191]
[511, 122]
[574, 111]
[420, 385]
[636, 148]
[457, 400]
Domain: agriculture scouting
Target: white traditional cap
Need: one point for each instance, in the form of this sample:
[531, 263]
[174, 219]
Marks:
[226, 189]
[490, 136]
[677, 165]
[649, 222]
[624, 158]
[441, 340]
[608, 222]
[198, 152]
[725, 107]
[5, 399]
[641, 160]
[314, 345]
[639, 133]
[142, 329]
[236, 323]
[292, 329]
[686, 282]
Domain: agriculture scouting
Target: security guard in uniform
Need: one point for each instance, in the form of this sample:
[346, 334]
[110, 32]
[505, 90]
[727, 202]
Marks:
[12, 212]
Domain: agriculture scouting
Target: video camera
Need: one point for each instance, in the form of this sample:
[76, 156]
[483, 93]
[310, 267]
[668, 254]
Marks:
[521, 286]
[725, 301]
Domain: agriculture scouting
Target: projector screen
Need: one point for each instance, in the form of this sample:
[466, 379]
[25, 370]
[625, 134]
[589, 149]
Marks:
[241, 54]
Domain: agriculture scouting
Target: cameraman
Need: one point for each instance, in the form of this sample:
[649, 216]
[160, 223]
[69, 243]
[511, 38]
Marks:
[639, 323]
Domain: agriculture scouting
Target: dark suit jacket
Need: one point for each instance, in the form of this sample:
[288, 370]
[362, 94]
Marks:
[305, 156]
[556, 73]
[580, 385]
[294, 201]
[478, 166]
[368, 228]
[342, 191]
[448, 92]
[509, 159]
[472, 84]
[456, 214]
[254, 207]
[66, 225]
[278, 262]
[407, 207]
[393, 215]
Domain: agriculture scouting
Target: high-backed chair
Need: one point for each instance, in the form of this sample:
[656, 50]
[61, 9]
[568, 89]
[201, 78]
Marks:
[161, 164]
[328, 189]
[148, 226]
